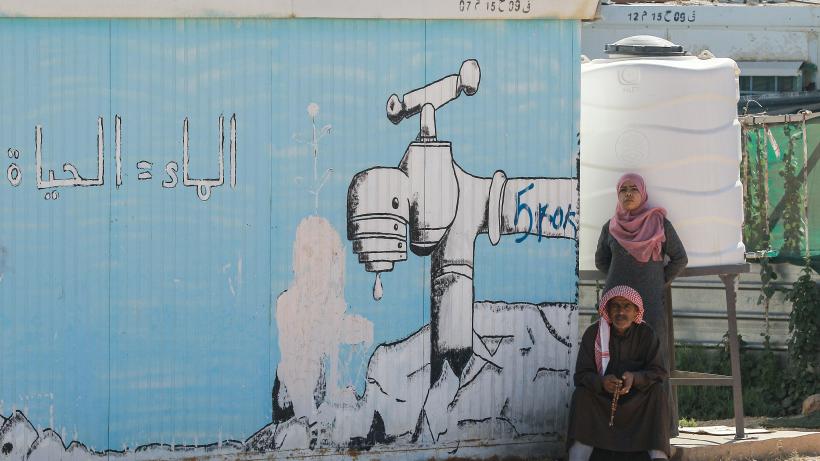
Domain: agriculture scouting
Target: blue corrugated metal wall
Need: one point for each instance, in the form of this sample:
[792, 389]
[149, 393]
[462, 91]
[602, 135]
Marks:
[144, 310]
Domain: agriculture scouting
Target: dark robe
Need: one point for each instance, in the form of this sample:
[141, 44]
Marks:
[641, 420]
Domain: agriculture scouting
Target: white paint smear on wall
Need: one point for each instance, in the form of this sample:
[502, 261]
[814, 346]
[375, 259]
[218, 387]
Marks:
[311, 316]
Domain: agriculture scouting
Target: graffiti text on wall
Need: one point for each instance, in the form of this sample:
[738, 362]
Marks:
[52, 183]
[557, 218]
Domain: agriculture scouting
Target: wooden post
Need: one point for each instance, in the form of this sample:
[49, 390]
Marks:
[730, 283]
[670, 328]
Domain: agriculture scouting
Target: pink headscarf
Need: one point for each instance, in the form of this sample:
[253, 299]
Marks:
[640, 232]
[602, 338]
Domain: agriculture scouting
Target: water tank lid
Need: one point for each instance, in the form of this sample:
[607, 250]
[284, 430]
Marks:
[644, 45]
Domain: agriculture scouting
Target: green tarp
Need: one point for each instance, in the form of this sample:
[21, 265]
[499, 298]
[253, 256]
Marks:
[766, 174]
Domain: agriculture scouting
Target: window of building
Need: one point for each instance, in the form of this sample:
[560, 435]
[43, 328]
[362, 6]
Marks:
[752, 85]
[769, 77]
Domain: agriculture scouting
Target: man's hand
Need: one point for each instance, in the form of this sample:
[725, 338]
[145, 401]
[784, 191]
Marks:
[610, 382]
[628, 379]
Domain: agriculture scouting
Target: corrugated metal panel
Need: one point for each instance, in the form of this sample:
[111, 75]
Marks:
[192, 275]
[362, 9]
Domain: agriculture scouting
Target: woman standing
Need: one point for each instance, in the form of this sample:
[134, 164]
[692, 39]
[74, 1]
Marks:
[638, 247]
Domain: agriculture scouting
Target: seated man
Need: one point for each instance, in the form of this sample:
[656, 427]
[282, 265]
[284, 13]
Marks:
[629, 360]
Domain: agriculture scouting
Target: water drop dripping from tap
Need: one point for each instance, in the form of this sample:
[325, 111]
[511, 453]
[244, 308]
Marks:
[378, 291]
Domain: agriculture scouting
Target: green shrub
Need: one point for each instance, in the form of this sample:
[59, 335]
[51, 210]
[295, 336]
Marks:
[702, 402]
[688, 422]
[761, 377]
[804, 341]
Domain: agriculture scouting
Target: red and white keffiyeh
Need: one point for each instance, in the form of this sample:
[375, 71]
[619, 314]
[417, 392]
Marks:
[602, 338]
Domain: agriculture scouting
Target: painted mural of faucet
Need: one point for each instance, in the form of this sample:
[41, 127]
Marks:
[445, 209]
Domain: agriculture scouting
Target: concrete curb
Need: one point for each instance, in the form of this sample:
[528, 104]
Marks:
[758, 450]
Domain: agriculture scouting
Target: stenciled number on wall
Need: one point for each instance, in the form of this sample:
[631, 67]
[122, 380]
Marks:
[660, 16]
[494, 6]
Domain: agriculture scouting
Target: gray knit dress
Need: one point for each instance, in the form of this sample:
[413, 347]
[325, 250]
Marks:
[648, 279]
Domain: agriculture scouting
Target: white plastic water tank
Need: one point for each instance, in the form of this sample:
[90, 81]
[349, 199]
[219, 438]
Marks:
[671, 118]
